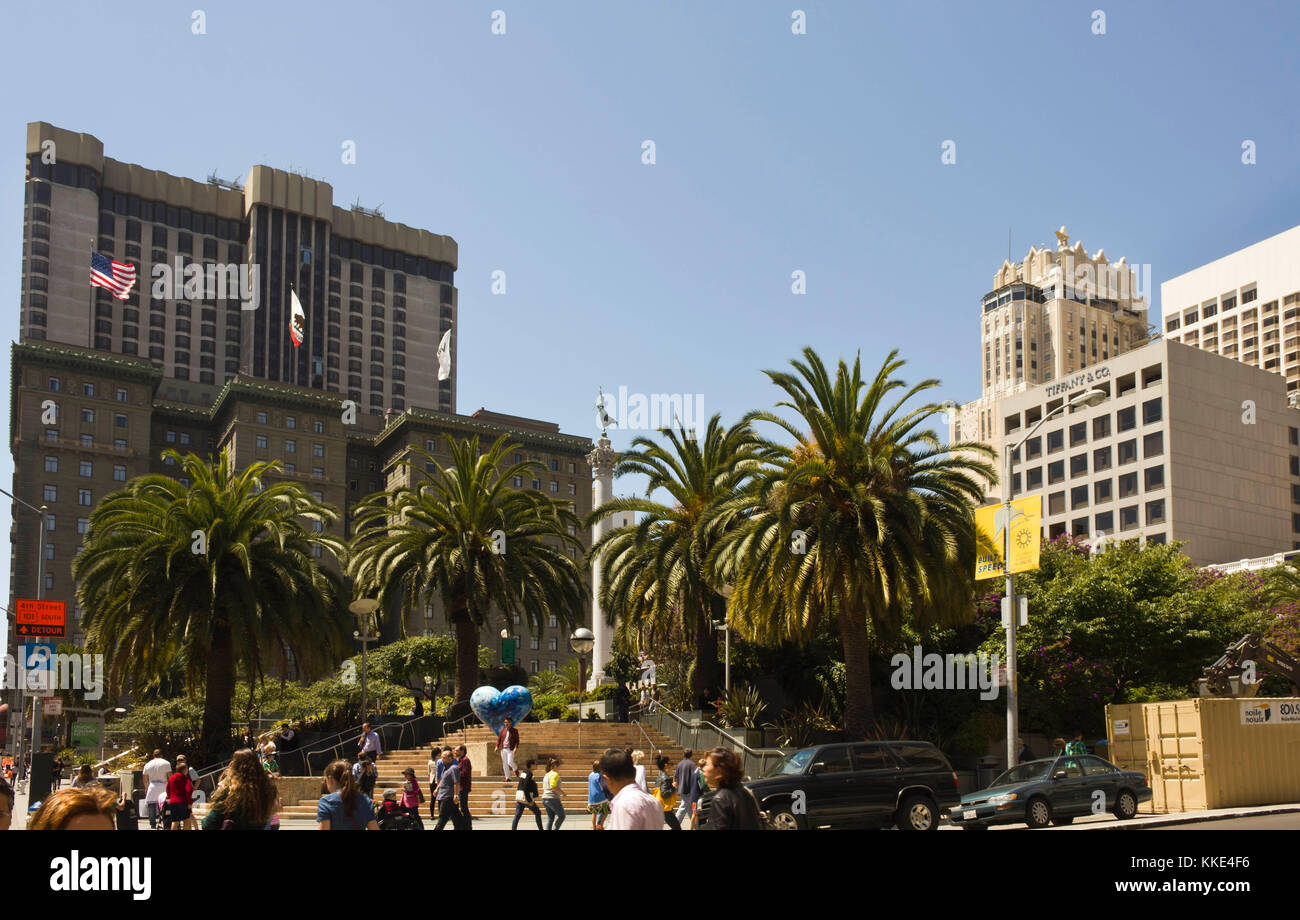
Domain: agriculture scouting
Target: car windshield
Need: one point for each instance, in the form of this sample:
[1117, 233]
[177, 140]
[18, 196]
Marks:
[1025, 773]
[791, 763]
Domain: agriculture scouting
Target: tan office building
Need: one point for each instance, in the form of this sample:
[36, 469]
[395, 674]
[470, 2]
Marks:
[1189, 446]
[1244, 306]
[1049, 316]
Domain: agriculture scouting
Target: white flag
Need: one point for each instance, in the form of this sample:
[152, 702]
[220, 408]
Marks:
[444, 356]
[297, 319]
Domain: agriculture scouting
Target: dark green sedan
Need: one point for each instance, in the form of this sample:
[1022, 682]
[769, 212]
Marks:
[1053, 791]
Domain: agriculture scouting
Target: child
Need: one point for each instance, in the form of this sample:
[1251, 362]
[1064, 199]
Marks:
[597, 797]
[412, 796]
[390, 815]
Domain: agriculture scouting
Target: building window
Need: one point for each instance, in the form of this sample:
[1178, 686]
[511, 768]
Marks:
[1055, 441]
[1151, 411]
[1126, 419]
[290, 469]
[1101, 427]
[86, 468]
[49, 522]
[1294, 435]
[119, 421]
[1055, 472]
[83, 497]
[185, 438]
[573, 489]
[1101, 491]
[1033, 448]
[51, 494]
[1153, 445]
[1078, 497]
[1078, 434]
[122, 394]
[51, 464]
[1056, 503]
[119, 445]
[290, 422]
[1128, 517]
[1127, 451]
[1101, 459]
[1105, 522]
[1154, 478]
[261, 418]
[290, 446]
[1295, 466]
[55, 384]
[170, 437]
[1156, 511]
[1034, 478]
[318, 450]
[261, 442]
[1128, 485]
[51, 434]
[1078, 465]
[87, 415]
[119, 473]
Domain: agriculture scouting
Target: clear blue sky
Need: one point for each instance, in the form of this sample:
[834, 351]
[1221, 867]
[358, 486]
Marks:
[775, 152]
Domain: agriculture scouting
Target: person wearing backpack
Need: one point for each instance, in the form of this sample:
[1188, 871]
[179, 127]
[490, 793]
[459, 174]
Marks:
[552, 795]
[526, 795]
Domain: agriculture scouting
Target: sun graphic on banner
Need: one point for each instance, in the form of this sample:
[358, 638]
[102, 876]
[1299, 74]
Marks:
[1024, 538]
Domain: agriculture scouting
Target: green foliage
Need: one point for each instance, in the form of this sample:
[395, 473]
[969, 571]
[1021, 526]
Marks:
[553, 706]
[171, 726]
[439, 538]
[623, 666]
[1127, 625]
[214, 577]
[864, 521]
[743, 707]
[546, 683]
[799, 727]
[592, 716]
[653, 576]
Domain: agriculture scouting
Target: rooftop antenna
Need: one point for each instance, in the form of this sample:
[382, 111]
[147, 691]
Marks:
[234, 186]
[368, 212]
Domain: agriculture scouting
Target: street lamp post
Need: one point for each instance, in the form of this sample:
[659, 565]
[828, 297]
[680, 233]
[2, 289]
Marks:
[1088, 398]
[363, 609]
[582, 642]
[40, 595]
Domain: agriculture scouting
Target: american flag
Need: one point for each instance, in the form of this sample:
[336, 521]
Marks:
[118, 277]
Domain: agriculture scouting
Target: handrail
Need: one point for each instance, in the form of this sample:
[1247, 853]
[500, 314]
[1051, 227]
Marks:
[761, 753]
[105, 763]
[654, 747]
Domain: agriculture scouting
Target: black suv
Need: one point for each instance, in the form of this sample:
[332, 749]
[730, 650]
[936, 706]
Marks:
[863, 784]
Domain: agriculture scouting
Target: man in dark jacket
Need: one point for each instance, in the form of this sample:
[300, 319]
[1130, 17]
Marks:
[466, 780]
[687, 789]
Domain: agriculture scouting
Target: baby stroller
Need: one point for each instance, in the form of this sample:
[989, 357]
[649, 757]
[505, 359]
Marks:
[393, 817]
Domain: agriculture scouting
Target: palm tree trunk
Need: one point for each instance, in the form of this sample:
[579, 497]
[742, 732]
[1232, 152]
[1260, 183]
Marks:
[858, 709]
[215, 739]
[704, 675]
[466, 661]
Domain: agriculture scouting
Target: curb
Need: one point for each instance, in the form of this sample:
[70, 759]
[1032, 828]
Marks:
[1191, 818]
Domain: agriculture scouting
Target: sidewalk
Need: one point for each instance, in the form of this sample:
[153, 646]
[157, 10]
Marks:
[1109, 822]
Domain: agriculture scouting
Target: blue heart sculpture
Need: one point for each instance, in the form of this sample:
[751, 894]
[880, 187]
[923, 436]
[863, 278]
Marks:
[493, 706]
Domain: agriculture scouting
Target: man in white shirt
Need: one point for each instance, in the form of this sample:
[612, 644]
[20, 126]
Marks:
[633, 809]
[156, 772]
[369, 745]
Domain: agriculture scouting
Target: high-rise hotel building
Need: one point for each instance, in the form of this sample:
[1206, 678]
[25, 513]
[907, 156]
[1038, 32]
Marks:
[1244, 306]
[132, 378]
[1053, 314]
[377, 295]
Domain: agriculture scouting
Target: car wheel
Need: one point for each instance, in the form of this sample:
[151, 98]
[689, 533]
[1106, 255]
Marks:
[1126, 806]
[783, 819]
[1063, 822]
[1038, 813]
[917, 813]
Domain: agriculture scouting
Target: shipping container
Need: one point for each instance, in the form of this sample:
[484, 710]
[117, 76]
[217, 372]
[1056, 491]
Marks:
[1127, 741]
[1212, 753]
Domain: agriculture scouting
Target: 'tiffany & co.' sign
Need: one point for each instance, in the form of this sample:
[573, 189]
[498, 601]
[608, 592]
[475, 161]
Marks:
[1092, 375]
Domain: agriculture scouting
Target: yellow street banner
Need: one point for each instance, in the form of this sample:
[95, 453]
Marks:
[1025, 523]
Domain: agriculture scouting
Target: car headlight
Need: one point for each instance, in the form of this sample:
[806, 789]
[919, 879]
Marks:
[1003, 799]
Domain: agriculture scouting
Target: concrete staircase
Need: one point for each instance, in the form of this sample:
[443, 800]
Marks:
[489, 794]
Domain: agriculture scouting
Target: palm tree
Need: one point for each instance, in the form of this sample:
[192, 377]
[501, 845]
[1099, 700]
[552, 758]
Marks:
[653, 576]
[217, 575]
[865, 519]
[464, 534]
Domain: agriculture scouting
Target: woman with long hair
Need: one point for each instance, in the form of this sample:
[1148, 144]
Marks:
[553, 795]
[344, 807]
[666, 792]
[246, 798]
